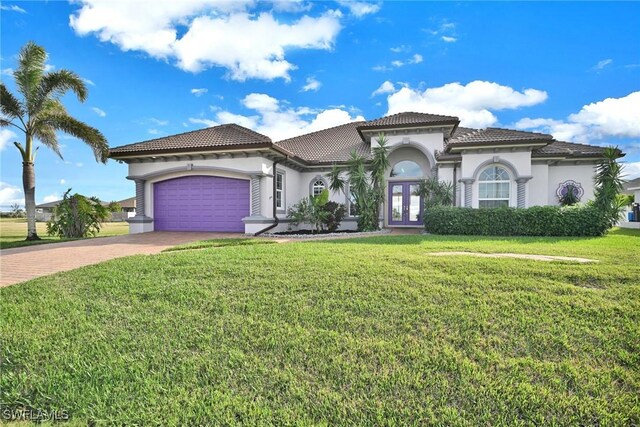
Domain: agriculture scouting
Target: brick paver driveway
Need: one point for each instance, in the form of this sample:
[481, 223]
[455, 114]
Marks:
[20, 264]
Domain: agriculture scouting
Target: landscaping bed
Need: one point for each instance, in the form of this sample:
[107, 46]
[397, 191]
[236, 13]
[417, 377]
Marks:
[305, 234]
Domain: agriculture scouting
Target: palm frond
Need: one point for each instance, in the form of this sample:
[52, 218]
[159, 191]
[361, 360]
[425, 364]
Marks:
[47, 135]
[336, 183]
[55, 84]
[10, 106]
[89, 135]
[31, 63]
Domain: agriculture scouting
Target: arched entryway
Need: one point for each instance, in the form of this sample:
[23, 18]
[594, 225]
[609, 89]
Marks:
[409, 166]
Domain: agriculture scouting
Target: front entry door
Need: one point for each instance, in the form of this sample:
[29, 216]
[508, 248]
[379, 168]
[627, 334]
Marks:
[405, 205]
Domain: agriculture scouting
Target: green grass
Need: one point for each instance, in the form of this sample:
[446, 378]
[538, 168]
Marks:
[370, 332]
[13, 232]
[219, 243]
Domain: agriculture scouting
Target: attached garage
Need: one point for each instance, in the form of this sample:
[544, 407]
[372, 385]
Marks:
[201, 203]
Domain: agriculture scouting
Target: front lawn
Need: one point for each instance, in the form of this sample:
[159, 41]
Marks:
[372, 331]
[13, 232]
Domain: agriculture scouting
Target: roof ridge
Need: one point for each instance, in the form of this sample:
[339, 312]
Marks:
[318, 131]
[244, 130]
[518, 131]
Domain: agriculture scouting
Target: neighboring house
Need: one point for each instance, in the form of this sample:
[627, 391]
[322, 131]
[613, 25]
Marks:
[632, 187]
[44, 211]
[229, 178]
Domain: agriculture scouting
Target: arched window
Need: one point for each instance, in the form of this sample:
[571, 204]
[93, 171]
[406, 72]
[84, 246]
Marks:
[494, 187]
[406, 168]
[317, 186]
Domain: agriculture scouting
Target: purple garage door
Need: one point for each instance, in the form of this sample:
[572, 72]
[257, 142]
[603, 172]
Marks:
[200, 203]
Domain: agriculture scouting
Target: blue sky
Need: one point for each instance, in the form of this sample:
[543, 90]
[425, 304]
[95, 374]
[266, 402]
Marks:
[285, 68]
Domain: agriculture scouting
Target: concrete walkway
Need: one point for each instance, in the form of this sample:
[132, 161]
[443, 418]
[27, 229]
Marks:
[21, 264]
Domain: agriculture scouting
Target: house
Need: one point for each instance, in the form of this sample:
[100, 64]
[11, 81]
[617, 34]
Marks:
[632, 188]
[229, 178]
[44, 211]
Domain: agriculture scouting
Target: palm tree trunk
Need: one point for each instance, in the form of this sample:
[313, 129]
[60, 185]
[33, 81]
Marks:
[29, 185]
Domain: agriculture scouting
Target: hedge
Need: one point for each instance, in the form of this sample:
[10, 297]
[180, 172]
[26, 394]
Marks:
[579, 220]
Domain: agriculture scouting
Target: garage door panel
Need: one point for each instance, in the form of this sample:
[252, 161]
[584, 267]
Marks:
[201, 203]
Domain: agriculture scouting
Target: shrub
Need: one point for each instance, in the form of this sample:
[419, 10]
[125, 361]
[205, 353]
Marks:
[569, 198]
[335, 215]
[577, 220]
[77, 216]
[436, 193]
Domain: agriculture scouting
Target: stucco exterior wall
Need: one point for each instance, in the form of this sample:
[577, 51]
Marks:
[536, 191]
[582, 173]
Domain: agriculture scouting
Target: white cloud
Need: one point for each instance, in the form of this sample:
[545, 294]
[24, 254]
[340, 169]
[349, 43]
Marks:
[79, 164]
[153, 131]
[206, 122]
[49, 67]
[199, 91]
[449, 39]
[385, 87]
[415, 59]
[89, 82]
[611, 117]
[312, 84]
[53, 197]
[631, 171]
[400, 49]
[10, 194]
[99, 112]
[6, 137]
[360, 8]
[7, 72]
[277, 120]
[63, 182]
[13, 8]
[473, 103]
[601, 64]
[200, 34]
[159, 122]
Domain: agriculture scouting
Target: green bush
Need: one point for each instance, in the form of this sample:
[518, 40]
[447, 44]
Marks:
[77, 216]
[577, 220]
[336, 212]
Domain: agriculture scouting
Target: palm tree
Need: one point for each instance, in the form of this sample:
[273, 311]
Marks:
[39, 114]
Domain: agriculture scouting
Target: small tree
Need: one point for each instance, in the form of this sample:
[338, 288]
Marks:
[114, 207]
[77, 216]
[366, 183]
[608, 183]
[435, 193]
[16, 211]
[311, 210]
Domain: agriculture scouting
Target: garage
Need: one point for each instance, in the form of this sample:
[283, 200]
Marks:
[201, 203]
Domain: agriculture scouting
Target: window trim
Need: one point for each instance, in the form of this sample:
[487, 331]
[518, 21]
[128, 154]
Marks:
[313, 181]
[282, 208]
[502, 181]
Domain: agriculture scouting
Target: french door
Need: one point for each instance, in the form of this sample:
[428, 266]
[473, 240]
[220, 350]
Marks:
[405, 205]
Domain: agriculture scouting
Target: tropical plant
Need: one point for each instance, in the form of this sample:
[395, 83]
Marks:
[569, 196]
[608, 182]
[16, 211]
[40, 114]
[77, 216]
[335, 215]
[366, 183]
[114, 207]
[310, 210]
[435, 193]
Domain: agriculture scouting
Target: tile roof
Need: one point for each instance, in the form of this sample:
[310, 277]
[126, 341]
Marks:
[328, 145]
[495, 135]
[214, 137]
[567, 149]
[409, 119]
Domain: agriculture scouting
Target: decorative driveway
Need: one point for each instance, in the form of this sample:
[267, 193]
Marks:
[21, 264]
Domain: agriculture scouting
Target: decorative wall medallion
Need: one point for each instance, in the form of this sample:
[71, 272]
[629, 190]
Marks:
[564, 187]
